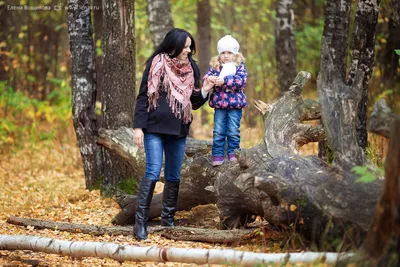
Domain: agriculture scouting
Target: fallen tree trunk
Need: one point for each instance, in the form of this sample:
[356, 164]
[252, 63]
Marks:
[175, 233]
[122, 253]
[271, 179]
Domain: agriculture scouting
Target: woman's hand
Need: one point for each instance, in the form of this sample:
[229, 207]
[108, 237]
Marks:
[138, 137]
[207, 86]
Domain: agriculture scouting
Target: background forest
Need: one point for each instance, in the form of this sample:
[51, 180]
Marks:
[35, 93]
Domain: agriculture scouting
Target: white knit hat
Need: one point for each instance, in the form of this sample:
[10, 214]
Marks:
[228, 43]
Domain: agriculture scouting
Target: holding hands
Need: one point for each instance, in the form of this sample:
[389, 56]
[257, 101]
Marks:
[212, 81]
[218, 81]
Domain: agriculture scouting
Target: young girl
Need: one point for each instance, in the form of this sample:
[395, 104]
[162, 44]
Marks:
[229, 76]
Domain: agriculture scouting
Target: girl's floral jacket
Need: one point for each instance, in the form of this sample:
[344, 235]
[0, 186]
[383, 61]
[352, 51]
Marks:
[229, 95]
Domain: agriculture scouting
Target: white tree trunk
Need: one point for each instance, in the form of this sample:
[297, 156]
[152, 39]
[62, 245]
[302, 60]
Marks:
[156, 254]
[160, 19]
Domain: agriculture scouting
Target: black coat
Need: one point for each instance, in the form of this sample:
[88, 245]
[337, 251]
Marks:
[161, 120]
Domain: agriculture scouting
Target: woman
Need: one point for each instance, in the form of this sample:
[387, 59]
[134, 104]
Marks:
[168, 93]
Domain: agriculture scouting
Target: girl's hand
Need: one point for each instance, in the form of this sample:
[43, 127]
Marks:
[138, 137]
[211, 79]
[219, 81]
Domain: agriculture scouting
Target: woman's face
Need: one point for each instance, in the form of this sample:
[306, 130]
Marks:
[186, 50]
[226, 57]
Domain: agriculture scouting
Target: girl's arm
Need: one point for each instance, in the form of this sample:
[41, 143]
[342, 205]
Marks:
[238, 81]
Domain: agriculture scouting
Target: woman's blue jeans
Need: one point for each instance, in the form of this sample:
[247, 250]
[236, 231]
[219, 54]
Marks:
[226, 129]
[174, 148]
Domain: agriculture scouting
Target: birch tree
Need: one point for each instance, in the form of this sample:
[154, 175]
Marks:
[341, 98]
[363, 51]
[285, 44]
[160, 19]
[118, 94]
[83, 89]
[122, 253]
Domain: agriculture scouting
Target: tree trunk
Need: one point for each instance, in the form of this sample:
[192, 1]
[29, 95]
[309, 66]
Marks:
[396, 12]
[339, 101]
[120, 253]
[3, 37]
[270, 180]
[285, 44]
[383, 240]
[83, 89]
[118, 98]
[363, 53]
[160, 19]
[382, 244]
[98, 34]
[390, 59]
[204, 42]
[204, 34]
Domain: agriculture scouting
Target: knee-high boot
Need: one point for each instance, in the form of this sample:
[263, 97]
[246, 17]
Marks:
[170, 198]
[144, 197]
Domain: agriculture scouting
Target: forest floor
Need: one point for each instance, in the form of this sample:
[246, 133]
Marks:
[45, 181]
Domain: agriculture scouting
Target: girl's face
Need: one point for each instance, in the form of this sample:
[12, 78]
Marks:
[186, 50]
[226, 57]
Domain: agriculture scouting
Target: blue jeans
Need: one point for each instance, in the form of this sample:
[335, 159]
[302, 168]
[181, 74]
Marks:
[226, 129]
[174, 148]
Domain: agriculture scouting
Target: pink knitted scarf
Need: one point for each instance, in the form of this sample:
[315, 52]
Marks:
[175, 77]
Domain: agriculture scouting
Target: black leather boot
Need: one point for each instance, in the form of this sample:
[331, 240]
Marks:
[170, 198]
[144, 197]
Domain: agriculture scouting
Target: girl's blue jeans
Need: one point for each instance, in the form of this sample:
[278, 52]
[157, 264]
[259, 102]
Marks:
[226, 129]
[174, 148]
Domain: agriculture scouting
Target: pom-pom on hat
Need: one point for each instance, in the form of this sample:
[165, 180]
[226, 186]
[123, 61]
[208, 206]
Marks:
[228, 43]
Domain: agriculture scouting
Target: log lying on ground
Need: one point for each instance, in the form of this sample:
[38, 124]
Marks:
[175, 233]
[122, 253]
[273, 181]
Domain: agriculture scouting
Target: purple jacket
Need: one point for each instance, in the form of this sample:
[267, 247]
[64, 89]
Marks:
[230, 95]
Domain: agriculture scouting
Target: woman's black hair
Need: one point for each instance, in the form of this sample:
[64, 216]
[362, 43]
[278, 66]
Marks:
[173, 44]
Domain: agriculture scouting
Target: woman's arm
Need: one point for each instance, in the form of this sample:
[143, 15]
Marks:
[142, 104]
[199, 97]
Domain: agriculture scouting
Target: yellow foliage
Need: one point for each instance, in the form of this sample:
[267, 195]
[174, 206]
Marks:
[31, 114]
